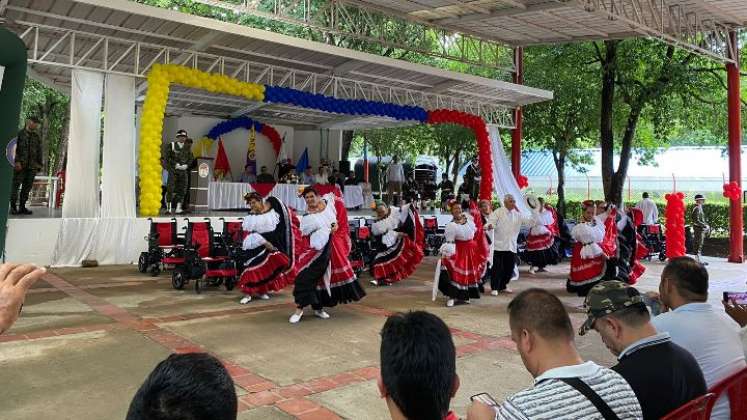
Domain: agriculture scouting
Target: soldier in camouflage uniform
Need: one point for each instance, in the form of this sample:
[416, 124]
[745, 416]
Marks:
[700, 226]
[176, 159]
[28, 162]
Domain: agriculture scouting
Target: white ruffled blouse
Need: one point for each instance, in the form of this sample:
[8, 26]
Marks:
[589, 235]
[387, 226]
[540, 221]
[255, 224]
[456, 232]
[319, 225]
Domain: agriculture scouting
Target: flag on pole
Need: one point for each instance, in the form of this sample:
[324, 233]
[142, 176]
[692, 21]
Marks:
[303, 161]
[283, 153]
[251, 154]
[222, 167]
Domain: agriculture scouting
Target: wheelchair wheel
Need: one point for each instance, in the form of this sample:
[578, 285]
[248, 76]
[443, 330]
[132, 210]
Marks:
[230, 283]
[154, 270]
[197, 286]
[142, 262]
[178, 279]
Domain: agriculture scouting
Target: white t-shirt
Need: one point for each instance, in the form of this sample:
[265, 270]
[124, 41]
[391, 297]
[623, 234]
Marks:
[506, 226]
[712, 338]
[395, 173]
[649, 210]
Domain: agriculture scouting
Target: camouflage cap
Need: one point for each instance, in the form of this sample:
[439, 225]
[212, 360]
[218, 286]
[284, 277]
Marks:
[608, 297]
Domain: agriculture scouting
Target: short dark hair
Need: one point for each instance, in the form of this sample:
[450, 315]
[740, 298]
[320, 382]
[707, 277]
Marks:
[645, 195]
[633, 316]
[689, 276]
[309, 189]
[418, 364]
[542, 313]
[191, 386]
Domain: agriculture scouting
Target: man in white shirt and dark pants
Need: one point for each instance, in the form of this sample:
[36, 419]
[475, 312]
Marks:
[649, 210]
[712, 337]
[395, 177]
[506, 223]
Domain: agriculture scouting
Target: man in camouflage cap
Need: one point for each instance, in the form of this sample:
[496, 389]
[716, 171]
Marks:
[28, 162]
[663, 375]
[177, 157]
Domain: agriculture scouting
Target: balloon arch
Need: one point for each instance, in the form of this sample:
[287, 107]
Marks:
[162, 76]
[245, 122]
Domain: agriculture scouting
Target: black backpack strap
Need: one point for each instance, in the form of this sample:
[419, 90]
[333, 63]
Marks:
[592, 396]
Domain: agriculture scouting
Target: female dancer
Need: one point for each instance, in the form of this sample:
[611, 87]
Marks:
[398, 239]
[464, 256]
[325, 276]
[589, 260]
[542, 249]
[268, 245]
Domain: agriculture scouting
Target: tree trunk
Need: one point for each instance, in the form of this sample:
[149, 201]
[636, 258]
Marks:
[347, 141]
[606, 130]
[560, 167]
[457, 164]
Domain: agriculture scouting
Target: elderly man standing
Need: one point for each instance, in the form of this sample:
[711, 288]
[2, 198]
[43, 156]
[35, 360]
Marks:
[506, 223]
[28, 162]
[177, 157]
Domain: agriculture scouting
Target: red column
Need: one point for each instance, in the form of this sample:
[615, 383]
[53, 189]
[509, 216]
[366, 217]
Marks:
[736, 253]
[516, 134]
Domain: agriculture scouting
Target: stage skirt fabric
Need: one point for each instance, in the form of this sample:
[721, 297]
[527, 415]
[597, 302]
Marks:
[636, 268]
[461, 274]
[270, 271]
[585, 272]
[542, 250]
[399, 261]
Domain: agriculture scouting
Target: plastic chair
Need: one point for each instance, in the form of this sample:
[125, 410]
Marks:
[735, 387]
[697, 409]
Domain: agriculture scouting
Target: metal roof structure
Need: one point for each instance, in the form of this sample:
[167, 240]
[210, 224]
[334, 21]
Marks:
[124, 37]
[700, 26]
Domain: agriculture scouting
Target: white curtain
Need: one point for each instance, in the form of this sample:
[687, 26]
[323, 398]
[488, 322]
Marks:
[118, 166]
[503, 179]
[82, 171]
[108, 241]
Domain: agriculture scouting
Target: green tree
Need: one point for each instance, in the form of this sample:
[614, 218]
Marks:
[568, 122]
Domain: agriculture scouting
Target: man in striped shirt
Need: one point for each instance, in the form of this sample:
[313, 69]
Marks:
[565, 387]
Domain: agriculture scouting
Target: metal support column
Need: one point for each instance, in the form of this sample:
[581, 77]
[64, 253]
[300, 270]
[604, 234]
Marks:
[736, 253]
[517, 131]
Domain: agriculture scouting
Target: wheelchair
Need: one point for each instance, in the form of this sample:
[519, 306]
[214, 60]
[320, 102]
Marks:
[165, 248]
[208, 260]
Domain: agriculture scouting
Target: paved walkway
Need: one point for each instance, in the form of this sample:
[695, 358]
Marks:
[88, 338]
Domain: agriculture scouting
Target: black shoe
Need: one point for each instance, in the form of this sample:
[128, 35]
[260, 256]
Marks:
[13, 210]
[24, 210]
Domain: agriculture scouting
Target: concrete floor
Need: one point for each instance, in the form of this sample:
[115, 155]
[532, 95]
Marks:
[88, 337]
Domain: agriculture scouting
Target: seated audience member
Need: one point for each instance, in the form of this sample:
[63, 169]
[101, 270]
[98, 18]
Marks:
[738, 313]
[193, 386]
[265, 177]
[322, 177]
[308, 177]
[418, 367]
[711, 337]
[351, 179]
[565, 387]
[248, 175]
[15, 281]
[663, 375]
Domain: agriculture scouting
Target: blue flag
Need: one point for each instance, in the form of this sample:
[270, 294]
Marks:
[303, 161]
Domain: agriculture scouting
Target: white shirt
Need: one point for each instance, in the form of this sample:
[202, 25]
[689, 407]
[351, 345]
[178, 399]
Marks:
[395, 173]
[712, 338]
[551, 398]
[506, 226]
[649, 210]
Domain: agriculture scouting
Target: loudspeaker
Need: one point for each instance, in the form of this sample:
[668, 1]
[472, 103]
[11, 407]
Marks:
[344, 166]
